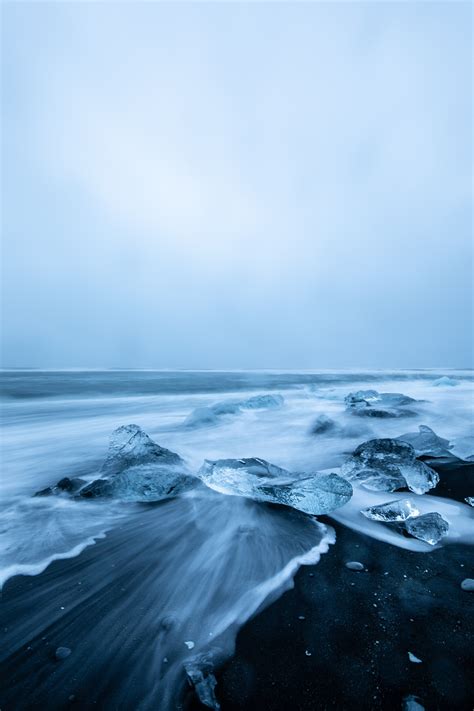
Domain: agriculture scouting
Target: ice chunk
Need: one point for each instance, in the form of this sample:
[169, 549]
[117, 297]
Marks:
[263, 401]
[412, 703]
[388, 465]
[468, 584]
[189, 644]
[200, 675]
[370, 403]
[469, 500]
[430, 527]
[355, 565]
[138, 469]
[210, 415]
[426, 442]
[414, 659]
[262, 481]
[131, 446]
[445, 381]
[392, 511]
[62, 653]
[464, 448]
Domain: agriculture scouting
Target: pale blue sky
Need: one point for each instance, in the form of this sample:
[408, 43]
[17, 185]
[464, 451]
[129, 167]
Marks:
[230, 185]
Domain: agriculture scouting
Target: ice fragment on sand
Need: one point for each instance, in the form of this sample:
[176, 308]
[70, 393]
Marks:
[469, 500]
[189, 644]
[200, 676]
[412, 703]
[414, 659]
[130, 446]
[430, 527]
[262, 481]
[468, 584]
[355, 565]
[426, 442]
[62, 653]
[392, 511]
[388, 465]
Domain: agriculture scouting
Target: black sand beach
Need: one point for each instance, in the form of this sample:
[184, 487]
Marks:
[338, 639]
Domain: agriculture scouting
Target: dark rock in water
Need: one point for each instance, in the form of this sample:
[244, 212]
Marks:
[370, 403]
[387, 465]
[262, 481]
[425, 442]
[355, 565]
[323, 425]
[200, 676]
[62, 653]
[100, 488]
[430, 527]
[67, 485]
[131, 446]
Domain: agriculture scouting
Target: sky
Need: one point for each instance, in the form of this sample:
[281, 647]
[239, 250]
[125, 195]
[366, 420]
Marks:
[237, 185]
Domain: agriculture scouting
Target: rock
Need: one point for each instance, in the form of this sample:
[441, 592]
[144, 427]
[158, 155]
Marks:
[98, 489]
[414, 659]
[65, 485]
[62, 653]
[425, 442]
[468, 584]
[262, 481]
[392, 511]
[323, 425]
[430, 527]
[388, 465]
[355, 565]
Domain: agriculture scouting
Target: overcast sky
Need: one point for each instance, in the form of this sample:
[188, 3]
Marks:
[226, 185]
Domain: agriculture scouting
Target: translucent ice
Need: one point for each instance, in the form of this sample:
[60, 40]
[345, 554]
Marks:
[210, 415]
[370, 403]
[469, 500]
[388, 465]
[445, 381]
[200, 675]
[430, 527]
[130, 446]
[263, 401]
[392, 511]
[262, 481]
[412, 703]
[426, 442]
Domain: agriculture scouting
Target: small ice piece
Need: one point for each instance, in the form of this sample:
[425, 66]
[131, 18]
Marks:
[414, 659]
[355, 565]
[430, 527]
[308, 653]
[259, 480]
[412, 703]
[463, 447]
[130, 446]
[468, 584]
[370, 403]
[189, 644]
[200, 675]
[392, 511]
[426, 442]
[62, 653]
[445, 381]
[388, 465]
[469, 500]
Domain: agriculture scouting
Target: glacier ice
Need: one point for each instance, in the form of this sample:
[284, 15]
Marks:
[463, 447]
[138, 469]
[393, 511]
[370, 403]
[426, 442]
[469, 500]
[262, 481]
[468, 584]
[210, 414]
[199, 671]
[430, 527]
[414, 659]
[445, 381]
[388, 465]
[412, 703]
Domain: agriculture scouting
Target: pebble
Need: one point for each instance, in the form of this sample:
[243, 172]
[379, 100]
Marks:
[355, 565]
[62, 652]
[468, 584]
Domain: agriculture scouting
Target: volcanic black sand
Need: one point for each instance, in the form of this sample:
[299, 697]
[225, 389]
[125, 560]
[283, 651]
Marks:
[339, 639]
